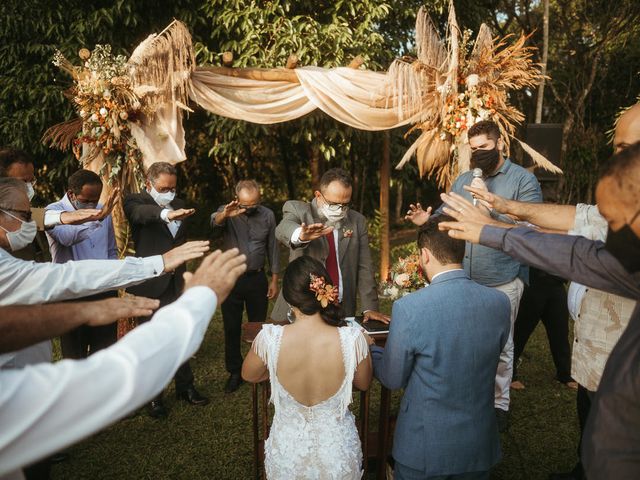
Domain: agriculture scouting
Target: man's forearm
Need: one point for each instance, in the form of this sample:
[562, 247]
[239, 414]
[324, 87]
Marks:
[219, 218]
[545, 215]
[26, 325]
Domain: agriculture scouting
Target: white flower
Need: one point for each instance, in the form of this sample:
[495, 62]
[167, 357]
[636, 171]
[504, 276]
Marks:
[124, 115]
[106, 94]
[94, 118]
[457, 124]
[401, 279]
[472, 80]
[83, 114]
[104, 111]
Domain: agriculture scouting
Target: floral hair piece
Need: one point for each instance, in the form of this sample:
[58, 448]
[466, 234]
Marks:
[325, 294]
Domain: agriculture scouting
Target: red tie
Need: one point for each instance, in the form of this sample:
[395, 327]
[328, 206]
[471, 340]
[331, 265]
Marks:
[332, 261]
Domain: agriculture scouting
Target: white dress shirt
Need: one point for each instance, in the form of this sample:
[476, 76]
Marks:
[173, 225]
[30, 283]
[47, 407]
[295, 240]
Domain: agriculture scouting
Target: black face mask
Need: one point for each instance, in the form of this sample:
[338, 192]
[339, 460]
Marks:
[251, 211]
[624, 245]
[487, 160]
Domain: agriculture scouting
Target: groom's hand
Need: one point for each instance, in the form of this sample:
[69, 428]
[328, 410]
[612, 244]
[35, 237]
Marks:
[185, 252]
[313, 231]
[373, 315]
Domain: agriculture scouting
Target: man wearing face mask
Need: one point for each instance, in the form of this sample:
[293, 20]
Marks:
[94, 240]
[157, 221]
[612, 435]
[488, 266]
[250, 227]
[331, 232]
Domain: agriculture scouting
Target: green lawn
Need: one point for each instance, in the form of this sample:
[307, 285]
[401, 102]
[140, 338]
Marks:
[214, 442]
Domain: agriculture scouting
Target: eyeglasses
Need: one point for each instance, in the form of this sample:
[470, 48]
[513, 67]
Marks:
[335, 207]
[25, 215]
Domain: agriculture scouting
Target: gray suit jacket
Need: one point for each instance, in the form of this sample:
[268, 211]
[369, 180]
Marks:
[444, 352]
[354, 255]
[612, 435]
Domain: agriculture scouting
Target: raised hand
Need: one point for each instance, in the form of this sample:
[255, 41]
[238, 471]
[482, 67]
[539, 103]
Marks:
[78, 217]
[417, 215]
[373, 315]
[232, 209]
[468, 231]
[185, 252]
[109, 310]
[461, 209]
[489, 200]
[181, 213]
[313, 231]
[109, 204]
[219, 271]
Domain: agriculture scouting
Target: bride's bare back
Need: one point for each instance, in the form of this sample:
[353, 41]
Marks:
[310, 362]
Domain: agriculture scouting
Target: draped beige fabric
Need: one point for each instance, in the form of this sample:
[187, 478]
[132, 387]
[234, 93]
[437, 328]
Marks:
[358, 98]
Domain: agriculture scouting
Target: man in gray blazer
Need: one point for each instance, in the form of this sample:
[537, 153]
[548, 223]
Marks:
[612, 435]
[443, 348]
[328, 230]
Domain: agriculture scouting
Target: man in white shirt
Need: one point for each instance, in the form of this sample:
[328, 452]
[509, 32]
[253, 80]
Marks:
[29, 283]
[41, 410]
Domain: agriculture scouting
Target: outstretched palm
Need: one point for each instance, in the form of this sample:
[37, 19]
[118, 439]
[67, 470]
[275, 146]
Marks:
[417, 215]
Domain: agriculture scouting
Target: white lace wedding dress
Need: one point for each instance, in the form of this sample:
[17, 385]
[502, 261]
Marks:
[319, 442]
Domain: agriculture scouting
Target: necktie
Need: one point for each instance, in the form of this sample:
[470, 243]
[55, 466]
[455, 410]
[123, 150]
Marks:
[331, 263]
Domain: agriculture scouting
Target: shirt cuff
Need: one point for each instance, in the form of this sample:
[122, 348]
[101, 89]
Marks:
[52, 218]
[156, 263]
[164, 215]
[493, 237]
[295, 238]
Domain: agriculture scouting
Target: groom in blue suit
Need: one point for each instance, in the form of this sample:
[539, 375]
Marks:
[443, 349]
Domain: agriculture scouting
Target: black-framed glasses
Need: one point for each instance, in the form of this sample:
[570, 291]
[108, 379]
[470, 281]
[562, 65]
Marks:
[334, 206]
[25, 214]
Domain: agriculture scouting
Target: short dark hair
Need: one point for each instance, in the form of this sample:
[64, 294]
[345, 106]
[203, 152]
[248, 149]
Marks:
[9, 156]
[296, 291]
[81, 178]
[157, 168]
[624, 168]
[446, 249]
[485, 127]
[335, 175]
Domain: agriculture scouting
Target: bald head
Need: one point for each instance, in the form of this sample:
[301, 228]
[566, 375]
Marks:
[627, 130]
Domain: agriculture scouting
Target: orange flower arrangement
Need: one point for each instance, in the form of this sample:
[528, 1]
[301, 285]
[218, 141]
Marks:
[325, 293]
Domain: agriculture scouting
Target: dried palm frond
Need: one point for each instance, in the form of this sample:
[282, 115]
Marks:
[162, 65]
[61, 135]
[448, 88]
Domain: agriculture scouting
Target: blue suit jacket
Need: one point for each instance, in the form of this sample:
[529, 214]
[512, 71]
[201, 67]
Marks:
[443, 349]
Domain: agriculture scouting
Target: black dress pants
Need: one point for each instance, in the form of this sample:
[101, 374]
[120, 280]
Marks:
[250, 291]
[545, 298]
[583, 406]
[83, 341]
[184, 374]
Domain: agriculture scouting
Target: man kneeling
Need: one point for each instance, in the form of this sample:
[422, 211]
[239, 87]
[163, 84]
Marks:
[443, 348]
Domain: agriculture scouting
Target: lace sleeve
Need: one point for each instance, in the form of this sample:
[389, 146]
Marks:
[260, 345]
[361, 348]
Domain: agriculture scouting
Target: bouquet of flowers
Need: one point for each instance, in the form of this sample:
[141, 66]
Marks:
[106, 103]
[405, 276]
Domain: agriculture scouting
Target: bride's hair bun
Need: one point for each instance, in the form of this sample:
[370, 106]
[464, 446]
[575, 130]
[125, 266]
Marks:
[297, 291]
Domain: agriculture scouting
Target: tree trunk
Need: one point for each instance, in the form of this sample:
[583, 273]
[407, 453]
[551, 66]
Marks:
[315, 164]
[545, 52]
[385, 173]
[399, 202]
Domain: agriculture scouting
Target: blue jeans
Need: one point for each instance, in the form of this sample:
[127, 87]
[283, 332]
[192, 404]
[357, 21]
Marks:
[402, 472]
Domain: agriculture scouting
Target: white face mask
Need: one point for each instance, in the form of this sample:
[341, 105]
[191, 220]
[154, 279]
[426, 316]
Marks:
[22, 237]
[162, 199]
[332, 216]
[30, 190]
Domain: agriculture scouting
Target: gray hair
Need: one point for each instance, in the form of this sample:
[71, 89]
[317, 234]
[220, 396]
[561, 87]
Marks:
[248, 185]
[158, 168]
[11, 189]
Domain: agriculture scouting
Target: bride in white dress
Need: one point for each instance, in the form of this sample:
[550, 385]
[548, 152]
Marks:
[312, 365]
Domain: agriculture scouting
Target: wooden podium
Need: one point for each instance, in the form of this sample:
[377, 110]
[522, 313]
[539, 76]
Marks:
[379, 440]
